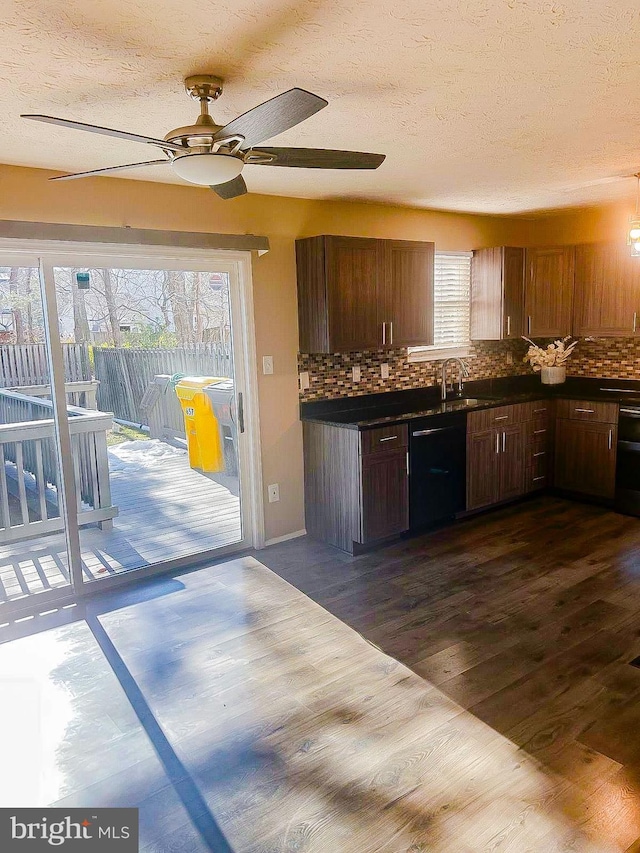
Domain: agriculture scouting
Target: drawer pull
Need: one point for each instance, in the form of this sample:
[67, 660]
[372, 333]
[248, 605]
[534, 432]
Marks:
[535, 479]
[586, 411]
[388, 438]
[538, 431]
[538, 411]
[540, 453]
[502, 418]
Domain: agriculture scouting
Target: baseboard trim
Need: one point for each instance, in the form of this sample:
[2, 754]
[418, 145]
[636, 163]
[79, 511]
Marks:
[285, 538]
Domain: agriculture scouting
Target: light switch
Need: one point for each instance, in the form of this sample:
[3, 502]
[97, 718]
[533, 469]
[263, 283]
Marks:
[356, 373]
[304, 380]
[267, 365]
[384, 371]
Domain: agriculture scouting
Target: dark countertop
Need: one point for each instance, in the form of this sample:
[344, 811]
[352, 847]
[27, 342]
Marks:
[371, 410]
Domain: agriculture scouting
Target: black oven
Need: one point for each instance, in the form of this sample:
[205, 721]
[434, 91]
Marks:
[628, 461]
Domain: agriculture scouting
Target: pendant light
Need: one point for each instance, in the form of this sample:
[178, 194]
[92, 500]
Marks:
[633, 233]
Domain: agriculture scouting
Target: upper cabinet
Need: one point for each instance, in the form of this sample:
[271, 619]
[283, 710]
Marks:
[497, 294]
[548, 291]
[363, 294]
[407, 270]
[607, 291]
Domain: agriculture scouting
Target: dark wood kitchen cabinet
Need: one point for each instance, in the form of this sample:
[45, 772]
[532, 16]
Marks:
[495, 455]
[356, 483]
[607, 291]
[363, 294]
[548, 291]
[586, 439]
[497, 294]
[509, 452]
[385, 495]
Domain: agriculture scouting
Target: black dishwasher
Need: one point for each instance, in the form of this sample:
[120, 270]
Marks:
[437, 478]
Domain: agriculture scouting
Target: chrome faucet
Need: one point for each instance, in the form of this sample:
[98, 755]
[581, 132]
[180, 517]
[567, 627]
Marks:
[464, 372]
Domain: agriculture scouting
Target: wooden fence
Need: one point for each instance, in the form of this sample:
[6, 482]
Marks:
[26, 364]
[29, 473]
[126, 373]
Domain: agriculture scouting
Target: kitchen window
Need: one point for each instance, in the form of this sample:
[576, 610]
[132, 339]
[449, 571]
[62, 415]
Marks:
[451, 298]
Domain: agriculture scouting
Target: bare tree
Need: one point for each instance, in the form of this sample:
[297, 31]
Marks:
[80, 321]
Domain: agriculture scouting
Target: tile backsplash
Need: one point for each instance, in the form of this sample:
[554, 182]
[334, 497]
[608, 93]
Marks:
[331, 376]
[606, 358]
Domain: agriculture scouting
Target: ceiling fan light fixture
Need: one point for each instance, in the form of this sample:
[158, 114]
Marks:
[207, 169]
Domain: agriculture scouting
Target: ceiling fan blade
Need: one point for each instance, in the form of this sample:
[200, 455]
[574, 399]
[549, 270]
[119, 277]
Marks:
[231, 189]
[273, 116]
[317, 158]
[105, 131]
[106, 170]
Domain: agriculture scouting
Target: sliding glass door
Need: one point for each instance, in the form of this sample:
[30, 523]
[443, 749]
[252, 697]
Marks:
[147, 399]
[34, 558]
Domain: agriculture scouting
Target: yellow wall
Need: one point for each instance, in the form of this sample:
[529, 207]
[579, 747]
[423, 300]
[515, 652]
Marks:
[25, 194]
[589, 225]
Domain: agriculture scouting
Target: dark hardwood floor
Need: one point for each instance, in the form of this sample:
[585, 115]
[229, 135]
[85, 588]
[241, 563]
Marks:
[529, 618]
[241, 717]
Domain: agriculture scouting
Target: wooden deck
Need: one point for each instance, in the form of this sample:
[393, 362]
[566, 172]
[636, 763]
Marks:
[166, 511]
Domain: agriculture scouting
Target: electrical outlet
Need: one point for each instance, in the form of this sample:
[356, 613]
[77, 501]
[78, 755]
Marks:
[384, 370]
[274, 493]
[267, 365]
[356, 373]
[304, 380]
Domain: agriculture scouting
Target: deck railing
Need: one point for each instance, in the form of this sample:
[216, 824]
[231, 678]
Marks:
[81, 394]
[29, 486]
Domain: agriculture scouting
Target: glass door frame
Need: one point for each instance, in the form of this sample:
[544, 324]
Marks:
[48, 255]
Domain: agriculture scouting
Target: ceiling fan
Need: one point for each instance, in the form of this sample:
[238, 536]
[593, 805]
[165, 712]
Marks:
[212, 155]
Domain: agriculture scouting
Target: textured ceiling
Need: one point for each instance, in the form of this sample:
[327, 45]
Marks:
[497, 106]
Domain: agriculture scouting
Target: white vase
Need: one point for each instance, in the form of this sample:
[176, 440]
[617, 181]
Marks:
[553, 375]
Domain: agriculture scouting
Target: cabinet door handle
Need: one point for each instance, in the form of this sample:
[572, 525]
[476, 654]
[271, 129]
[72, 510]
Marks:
[537, 411]
[240, 412]
[502, 418]
[635, 321]
[586, 411]
[407, 463]
[388, 438]
[538, 431]
[508, 326]
[529, 324]
[535, 479]
[497, 442]
[504, 442]
[540, 453]
[384, 334]
[610, 439]
[391, 333]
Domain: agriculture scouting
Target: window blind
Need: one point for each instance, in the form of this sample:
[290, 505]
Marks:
[451, 298]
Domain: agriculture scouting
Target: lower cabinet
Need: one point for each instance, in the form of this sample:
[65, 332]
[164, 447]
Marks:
[385, 495]
[586, 456]
[482, 467]
[356, 483]
[508, 452]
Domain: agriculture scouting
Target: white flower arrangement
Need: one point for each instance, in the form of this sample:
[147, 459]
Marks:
[555, 354]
